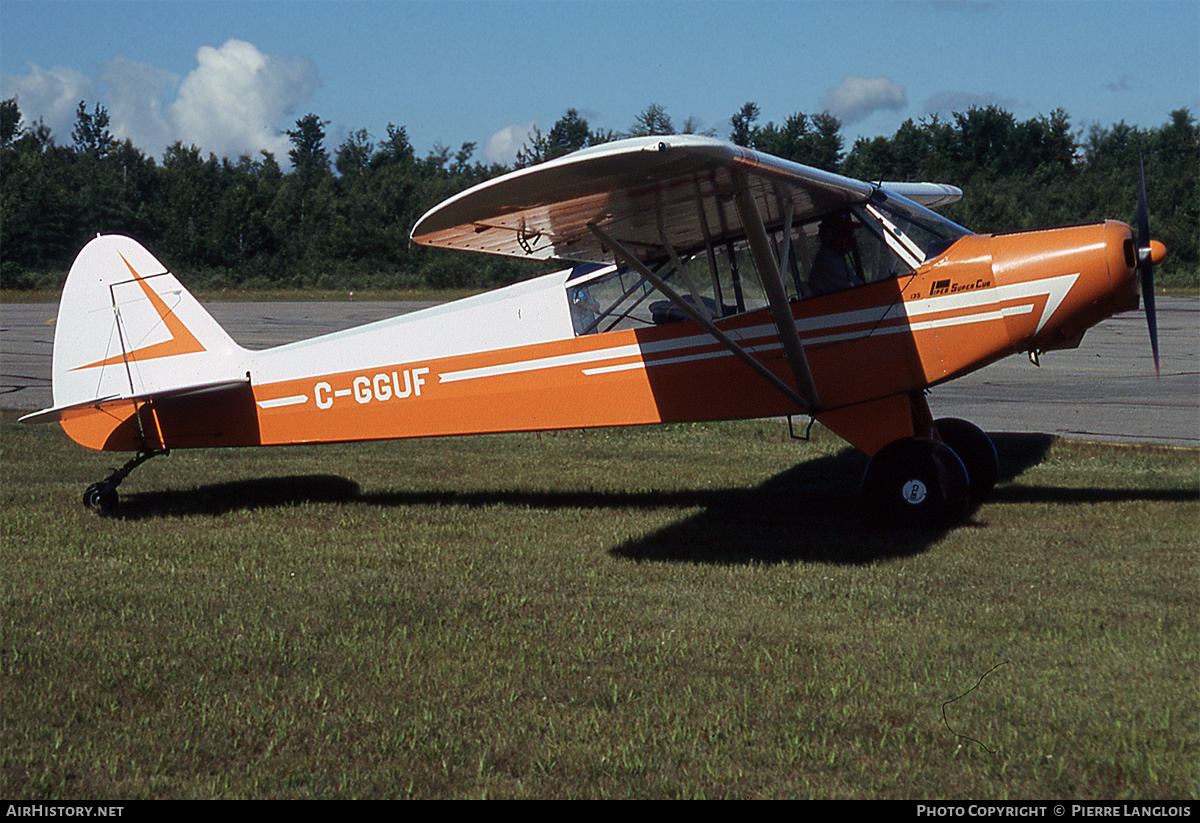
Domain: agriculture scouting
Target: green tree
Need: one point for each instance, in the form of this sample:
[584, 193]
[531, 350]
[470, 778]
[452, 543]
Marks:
[354, 156]
[10, 120]
[744, 131]
[231, 222]
[188, 190]
[570, 133]
[814, 141]
[310, 161]
[91, 133]
[38, 209]
[396, 150]
[652, 120]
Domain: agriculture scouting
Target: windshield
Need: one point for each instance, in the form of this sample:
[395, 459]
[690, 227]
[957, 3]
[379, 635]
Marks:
[928, 230]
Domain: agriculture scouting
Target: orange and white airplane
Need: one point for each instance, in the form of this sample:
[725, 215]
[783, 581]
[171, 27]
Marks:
[705, 281]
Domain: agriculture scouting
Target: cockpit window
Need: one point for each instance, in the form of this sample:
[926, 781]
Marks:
[721, 284]
[883, 238]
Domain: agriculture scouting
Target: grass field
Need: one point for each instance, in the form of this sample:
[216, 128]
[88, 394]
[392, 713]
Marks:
[686, 611]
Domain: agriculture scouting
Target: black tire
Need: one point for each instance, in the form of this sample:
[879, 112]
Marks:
[916, 482]
[977, 452]
[100, 496]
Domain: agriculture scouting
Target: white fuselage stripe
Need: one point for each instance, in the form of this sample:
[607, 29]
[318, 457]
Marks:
[897, 319]
[294, 400]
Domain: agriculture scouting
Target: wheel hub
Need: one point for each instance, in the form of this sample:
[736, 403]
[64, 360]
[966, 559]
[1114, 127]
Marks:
[914, 492]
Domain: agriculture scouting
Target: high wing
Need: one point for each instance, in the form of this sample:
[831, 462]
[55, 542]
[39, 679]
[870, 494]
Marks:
[644, 193]
[653, 199]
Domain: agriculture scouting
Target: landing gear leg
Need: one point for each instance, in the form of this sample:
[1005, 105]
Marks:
[916, 482]
[103, 495]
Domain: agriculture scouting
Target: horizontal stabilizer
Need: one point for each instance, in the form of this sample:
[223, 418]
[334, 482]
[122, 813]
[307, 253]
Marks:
[58, 413]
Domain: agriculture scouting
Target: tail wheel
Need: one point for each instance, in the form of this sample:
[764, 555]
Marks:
[101, 496]
[977, 452]
[916, 482]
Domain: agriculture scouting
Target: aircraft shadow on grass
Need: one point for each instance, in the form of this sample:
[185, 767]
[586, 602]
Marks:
[808, 513]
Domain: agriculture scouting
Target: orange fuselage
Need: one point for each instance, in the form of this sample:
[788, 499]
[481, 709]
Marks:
[870, 349]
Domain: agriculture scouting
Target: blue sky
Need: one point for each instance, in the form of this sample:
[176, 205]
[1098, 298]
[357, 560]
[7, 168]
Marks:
[231, 77]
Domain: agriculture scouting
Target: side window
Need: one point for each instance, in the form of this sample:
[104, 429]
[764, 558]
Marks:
[721, 284]
[605, 298]
[873, 241]
[847, 249]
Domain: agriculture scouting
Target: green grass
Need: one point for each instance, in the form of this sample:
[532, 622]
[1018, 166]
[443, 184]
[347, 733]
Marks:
[685, 611]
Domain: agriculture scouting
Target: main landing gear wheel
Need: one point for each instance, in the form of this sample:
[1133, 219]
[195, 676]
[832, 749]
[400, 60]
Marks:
[916, 482]
[977, 452]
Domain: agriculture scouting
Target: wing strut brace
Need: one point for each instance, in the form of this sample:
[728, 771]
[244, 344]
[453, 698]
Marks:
[768, 270]
[695, 314]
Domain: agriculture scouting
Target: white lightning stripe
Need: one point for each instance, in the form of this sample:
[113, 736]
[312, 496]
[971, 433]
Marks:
[946, 322]
[539, 363]
[1059, 286]
[594, 356]
[1055, 289]
[1015, 310]
[294, 400]
[666, 361]
[610, 369]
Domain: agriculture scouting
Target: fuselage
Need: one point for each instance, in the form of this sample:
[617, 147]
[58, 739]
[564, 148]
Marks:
[514, 360]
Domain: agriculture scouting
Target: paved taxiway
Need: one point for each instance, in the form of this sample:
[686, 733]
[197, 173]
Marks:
[1105, 390]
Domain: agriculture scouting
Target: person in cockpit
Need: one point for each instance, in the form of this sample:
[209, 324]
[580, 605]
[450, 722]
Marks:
[830, 269]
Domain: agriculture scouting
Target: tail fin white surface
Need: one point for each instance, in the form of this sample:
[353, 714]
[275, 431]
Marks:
[126, 327]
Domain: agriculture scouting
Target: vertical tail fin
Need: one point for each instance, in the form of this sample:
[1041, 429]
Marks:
[127, 327]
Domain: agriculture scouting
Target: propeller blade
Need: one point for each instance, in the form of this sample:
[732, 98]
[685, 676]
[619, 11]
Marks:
[1143, 214]
[1145, 264]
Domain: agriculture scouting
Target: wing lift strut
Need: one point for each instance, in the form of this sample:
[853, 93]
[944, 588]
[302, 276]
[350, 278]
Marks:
[804, 393]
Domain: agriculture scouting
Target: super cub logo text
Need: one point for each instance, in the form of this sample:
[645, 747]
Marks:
[940, 287]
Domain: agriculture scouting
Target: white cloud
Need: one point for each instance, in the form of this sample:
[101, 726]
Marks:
[134, 96]
[49, 95]
[502, 147]
[855, 98]
[236, 101]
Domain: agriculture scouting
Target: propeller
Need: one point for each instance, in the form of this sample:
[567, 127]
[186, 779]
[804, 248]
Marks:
[1145, 261]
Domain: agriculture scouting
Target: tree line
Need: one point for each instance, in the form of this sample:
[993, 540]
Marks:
[341, 219]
